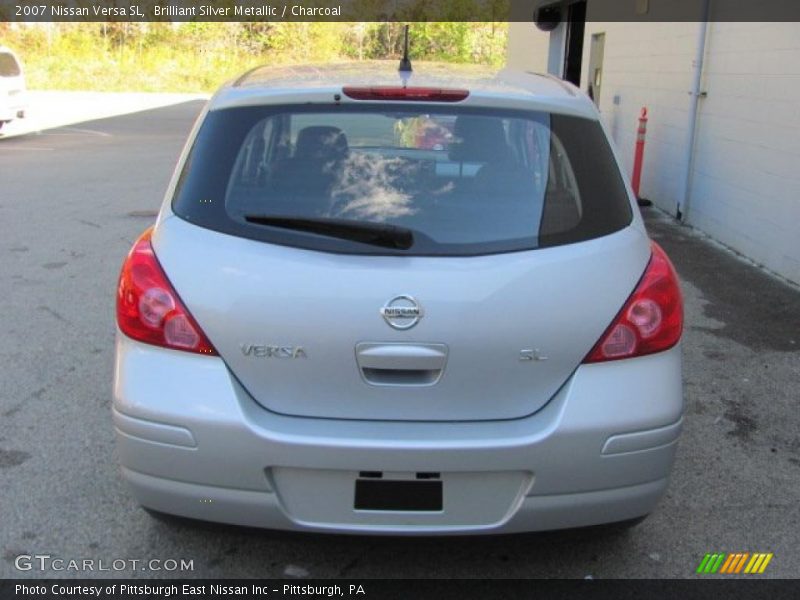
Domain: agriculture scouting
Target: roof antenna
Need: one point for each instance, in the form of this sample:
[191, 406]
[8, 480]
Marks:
[405, 63]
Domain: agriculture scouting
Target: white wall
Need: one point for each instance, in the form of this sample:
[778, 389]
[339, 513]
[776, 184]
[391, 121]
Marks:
[527, 47]
[647, 64]
[745, 182]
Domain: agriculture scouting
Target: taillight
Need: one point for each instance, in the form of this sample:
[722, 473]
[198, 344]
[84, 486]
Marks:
[652, 318]
[418, 94]
[148, 308]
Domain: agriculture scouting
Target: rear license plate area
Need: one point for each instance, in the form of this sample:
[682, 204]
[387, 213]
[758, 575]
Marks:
[398, 496]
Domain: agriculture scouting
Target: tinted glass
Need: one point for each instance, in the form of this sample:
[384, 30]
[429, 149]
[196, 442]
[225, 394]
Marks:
[8, 65]
[464, 182]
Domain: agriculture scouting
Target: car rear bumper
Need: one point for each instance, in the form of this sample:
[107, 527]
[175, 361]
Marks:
[192, 442]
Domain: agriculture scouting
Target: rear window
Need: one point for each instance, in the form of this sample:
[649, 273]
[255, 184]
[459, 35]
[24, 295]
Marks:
[464, 182]
[8, 65]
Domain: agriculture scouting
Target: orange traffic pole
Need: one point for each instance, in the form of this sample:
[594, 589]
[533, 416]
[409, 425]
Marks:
[638, 156]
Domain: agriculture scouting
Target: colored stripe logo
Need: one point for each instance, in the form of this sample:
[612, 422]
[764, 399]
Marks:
[735, 563]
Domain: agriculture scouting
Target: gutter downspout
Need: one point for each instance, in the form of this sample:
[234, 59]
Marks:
[695, 94]
[556, 50]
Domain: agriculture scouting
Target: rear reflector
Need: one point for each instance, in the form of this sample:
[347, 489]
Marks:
[148, 308]
[413, 94]
[652, 318]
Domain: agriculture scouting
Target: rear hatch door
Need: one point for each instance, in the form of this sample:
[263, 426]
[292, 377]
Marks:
[304, 331]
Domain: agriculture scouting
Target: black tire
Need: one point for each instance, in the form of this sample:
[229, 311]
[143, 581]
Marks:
[165, 518]
[620, 527]
[177, 521]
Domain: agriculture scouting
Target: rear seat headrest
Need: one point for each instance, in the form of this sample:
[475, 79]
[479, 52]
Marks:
[321, 142]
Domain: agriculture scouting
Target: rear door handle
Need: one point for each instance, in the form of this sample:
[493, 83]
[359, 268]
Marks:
[393, 363]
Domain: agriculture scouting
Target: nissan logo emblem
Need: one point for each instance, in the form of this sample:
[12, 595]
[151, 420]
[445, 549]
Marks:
[402, 312]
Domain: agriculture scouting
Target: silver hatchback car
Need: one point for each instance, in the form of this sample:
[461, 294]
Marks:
[412, 307]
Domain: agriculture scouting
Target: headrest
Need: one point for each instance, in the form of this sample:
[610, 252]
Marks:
[321, 142]
[478, 139]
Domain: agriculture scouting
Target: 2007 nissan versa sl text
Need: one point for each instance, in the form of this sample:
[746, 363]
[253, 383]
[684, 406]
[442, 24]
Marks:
[418, 305]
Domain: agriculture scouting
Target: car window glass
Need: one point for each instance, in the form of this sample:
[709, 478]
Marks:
[8, 65]
[464, 182]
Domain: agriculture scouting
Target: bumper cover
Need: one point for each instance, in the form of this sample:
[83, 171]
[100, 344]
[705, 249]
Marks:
[192, 442]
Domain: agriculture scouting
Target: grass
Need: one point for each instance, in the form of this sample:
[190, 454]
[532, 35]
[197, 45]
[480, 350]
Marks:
[197, 57]
[70, 63]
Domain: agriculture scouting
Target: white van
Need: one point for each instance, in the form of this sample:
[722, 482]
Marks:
[12, 87]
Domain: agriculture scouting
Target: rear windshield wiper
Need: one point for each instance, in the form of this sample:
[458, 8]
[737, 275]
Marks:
[376, 234]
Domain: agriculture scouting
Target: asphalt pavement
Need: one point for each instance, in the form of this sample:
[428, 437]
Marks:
[72, 201]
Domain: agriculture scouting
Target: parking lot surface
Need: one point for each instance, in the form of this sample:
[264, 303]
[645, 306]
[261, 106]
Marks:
[72, 202]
